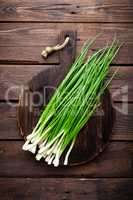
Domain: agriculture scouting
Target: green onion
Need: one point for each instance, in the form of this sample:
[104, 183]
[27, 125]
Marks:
[72, 105]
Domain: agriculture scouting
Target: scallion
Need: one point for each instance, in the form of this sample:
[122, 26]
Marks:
[71, 106]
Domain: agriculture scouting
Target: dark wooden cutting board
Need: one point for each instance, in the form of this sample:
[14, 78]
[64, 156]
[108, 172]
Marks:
[94, 136]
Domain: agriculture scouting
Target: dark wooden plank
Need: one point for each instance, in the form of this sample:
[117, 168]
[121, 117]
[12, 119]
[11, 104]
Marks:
[25, 55]
[123, 127]
[67, 11]
[122, 85]
[8, 122]
[115, 161]
[16, 75]
[25, 44]
[63, 189]
[22, 43]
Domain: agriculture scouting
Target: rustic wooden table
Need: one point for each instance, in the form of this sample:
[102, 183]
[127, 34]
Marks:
[25, 28]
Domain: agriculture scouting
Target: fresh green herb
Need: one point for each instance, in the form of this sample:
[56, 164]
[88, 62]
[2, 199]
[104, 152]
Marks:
[72, 105]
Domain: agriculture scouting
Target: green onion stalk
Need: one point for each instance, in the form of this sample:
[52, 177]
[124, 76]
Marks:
[72, 105]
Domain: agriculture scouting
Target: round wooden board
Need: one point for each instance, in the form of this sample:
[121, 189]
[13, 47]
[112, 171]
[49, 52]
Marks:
[91, 140]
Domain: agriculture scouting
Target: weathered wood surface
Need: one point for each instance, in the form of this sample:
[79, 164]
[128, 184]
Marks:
[63, 189]
[115, 161]
[19, 75]
[123, 128]
[20, 59]
[67, 11]
[22, 43]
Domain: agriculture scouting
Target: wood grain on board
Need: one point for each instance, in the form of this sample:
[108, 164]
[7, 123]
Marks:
[22, 43]
[67, 11]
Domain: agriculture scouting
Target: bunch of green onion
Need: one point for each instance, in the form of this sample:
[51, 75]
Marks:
[71, 106]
